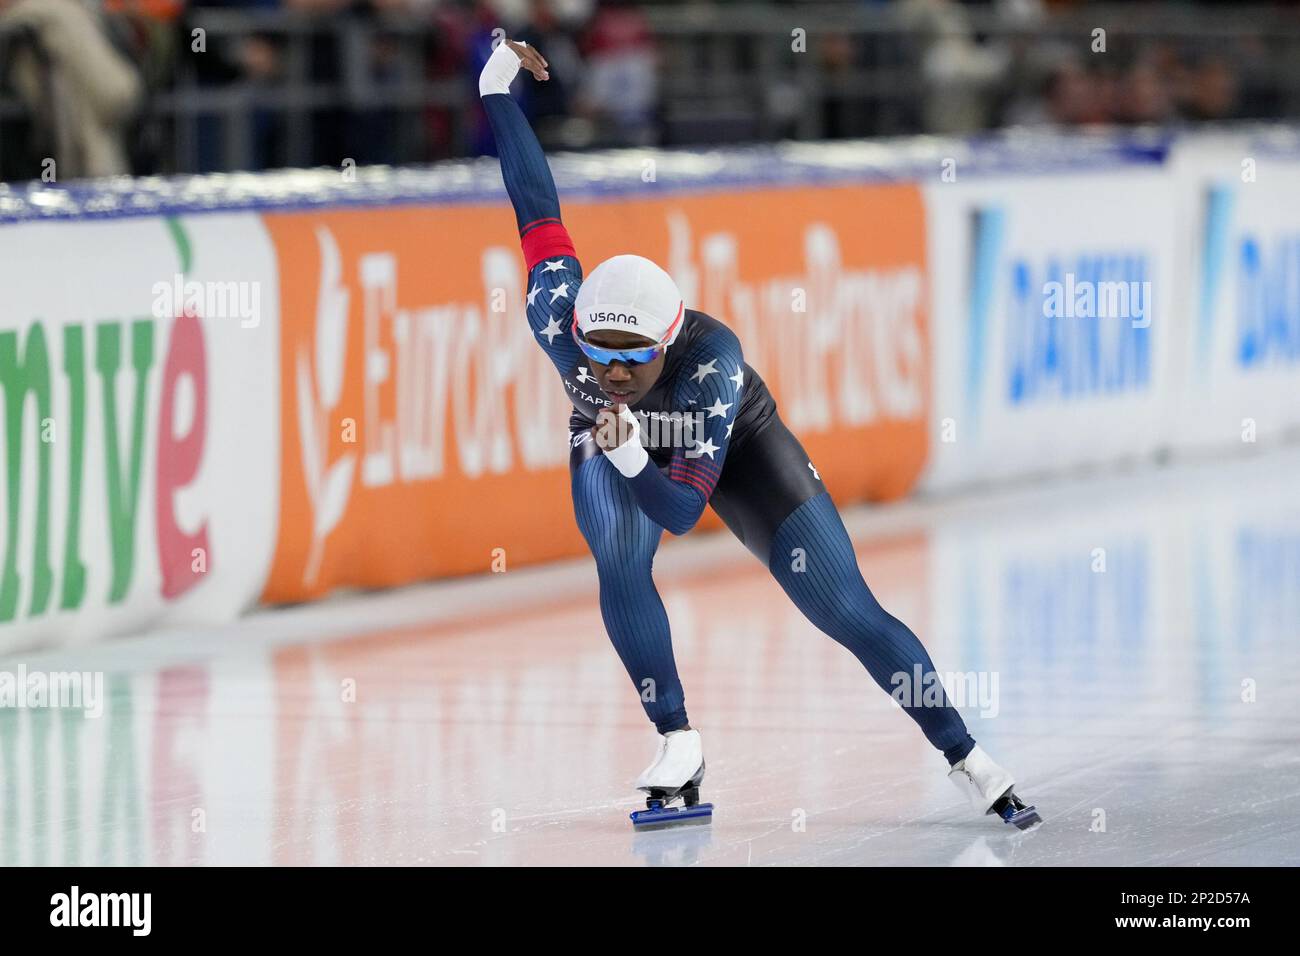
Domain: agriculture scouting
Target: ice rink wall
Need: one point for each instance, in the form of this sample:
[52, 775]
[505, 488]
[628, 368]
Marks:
[1115, 314]
[262, 388]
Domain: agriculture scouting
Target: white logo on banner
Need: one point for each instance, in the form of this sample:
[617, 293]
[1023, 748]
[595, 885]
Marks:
[329, 484]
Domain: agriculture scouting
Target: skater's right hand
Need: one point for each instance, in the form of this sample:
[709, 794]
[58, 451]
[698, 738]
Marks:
[503, 66]
[530, 59]
[614, 427]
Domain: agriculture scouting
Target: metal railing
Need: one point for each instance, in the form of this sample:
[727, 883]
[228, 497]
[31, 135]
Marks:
[725, 74]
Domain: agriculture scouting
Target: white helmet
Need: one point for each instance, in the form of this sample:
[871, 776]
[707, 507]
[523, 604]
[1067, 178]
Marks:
[630, 294]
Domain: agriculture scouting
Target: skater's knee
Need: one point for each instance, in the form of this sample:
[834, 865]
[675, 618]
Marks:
[850, 624]
[616, 539]
[856, 599]
[850, 612]
[836, 585]
[620, 558]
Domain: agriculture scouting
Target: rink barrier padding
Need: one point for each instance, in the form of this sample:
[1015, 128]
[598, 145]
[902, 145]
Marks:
[140, 444]
[1093, 318]
[384, 417]
[424, 432]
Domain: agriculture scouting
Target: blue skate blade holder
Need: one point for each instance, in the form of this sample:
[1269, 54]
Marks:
[1022, 818]
[661, 817]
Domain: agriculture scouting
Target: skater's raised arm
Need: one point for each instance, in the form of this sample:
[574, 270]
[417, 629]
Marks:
[523, 164]
[554, 273]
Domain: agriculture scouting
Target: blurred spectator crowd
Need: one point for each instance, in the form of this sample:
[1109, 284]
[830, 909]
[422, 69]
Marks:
[157, 86]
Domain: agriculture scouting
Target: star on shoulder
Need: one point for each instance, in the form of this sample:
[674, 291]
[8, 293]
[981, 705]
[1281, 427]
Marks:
[553, 328]
[707, 368]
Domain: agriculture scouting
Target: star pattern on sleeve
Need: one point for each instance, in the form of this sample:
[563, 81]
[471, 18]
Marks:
[706, 447]
[704, 369]
[550, 318]
[719, 408]
[700, 464]
[676, 497]
[551, 330]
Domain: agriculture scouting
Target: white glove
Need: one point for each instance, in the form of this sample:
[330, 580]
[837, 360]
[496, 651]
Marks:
[500, 70]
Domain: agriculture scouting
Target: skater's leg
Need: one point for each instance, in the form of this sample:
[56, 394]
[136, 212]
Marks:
[773, 500]
[623, 541]
[823, 580]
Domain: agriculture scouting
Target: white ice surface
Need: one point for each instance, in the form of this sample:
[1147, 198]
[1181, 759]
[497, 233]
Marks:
[1150, 710]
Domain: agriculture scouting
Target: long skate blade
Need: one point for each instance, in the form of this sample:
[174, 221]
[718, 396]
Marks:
[662, 818]
[1023, 818]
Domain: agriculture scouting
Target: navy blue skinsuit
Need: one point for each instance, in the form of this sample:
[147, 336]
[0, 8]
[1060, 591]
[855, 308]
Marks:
[738, 458]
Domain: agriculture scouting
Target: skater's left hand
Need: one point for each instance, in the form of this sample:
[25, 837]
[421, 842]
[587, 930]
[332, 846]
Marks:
[613, 428]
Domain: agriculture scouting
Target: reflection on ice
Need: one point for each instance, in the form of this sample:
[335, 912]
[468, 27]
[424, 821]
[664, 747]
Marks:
[1144, 633]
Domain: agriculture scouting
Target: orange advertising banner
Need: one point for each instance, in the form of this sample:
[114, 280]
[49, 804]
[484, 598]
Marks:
[425, 434]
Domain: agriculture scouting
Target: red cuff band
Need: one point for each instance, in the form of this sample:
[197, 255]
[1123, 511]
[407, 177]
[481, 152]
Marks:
[546, 240]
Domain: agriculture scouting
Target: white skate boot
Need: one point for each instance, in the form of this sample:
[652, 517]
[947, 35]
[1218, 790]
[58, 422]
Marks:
[675, 773]
[989, 789]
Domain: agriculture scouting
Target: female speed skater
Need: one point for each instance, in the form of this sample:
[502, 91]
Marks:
[631, 358]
